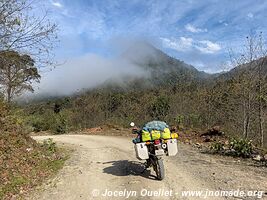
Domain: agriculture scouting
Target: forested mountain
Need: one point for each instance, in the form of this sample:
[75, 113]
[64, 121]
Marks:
[159, 63]
[162, 70]
[250, 68]
[172, 91]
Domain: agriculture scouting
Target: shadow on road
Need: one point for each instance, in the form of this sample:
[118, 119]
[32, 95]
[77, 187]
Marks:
[126, 168]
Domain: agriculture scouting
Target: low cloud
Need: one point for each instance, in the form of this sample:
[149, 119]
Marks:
[86, 72]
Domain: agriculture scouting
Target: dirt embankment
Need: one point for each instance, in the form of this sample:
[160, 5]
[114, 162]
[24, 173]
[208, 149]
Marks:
[24, 164]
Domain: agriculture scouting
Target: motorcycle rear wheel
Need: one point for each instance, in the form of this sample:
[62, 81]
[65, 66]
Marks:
[159, 169]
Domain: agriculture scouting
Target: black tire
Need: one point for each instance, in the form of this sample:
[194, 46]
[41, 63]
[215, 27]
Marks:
[160, 171]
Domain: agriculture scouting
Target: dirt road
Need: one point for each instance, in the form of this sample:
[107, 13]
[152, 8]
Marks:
[104, 167]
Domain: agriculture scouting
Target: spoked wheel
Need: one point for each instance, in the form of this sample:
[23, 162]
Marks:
[159, 168]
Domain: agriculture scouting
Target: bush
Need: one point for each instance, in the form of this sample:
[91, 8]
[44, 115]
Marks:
[11, 119]
[179, 119]
[50, 145]
[193, 120]
[217, 147]
[60, 124]
[37, 124]
[236, 147]
[160, 107]
[240, 147]
[55, 122]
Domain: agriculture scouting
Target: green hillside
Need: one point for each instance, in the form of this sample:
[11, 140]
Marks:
[173, 91]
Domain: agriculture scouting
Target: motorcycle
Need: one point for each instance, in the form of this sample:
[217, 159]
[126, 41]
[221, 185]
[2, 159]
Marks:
[154, 151]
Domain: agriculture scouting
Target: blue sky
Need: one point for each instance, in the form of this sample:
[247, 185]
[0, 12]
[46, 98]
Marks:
[198, 32]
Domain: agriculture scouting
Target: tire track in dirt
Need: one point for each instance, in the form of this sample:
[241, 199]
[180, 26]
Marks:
[101, 163]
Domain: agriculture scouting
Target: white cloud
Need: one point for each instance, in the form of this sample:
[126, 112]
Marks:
[208, 47]
[57, 4]
[193, 29]
[223, 22]
[188, 44]
[250, 15]
[181, 44]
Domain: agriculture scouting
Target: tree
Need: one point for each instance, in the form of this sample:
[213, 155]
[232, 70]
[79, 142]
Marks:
[252, 64]
[261, 79]
[261, 98]
[160, 107]
[22, 31]
[17, 73]
[26, 42]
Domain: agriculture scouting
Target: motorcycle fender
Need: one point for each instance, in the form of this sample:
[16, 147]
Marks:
[159, 152]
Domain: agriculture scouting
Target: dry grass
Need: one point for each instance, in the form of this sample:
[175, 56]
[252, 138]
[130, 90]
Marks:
[24, 164]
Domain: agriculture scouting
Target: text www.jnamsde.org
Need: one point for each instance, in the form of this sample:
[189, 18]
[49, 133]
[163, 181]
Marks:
[170, 193]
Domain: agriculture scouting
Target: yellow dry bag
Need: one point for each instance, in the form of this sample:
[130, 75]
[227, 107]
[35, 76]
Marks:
[146, 136]
[166, 134]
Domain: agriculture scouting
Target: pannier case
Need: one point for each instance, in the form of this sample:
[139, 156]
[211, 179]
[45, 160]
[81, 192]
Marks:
[172, 147]
[141, 151]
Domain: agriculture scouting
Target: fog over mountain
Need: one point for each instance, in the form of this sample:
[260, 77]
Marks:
[91, 70]
[86, 72]
[136, 60]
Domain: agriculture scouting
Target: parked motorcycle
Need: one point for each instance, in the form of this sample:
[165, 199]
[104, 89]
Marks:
[154, 151]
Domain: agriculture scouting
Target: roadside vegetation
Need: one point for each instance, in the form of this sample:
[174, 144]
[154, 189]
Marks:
[177, 93]
[234, 147]
[23, 162]
[26, 42]
[234, 101]
[192, 105]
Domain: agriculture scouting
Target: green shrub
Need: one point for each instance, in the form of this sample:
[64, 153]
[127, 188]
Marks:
[160, 107]
[55, 122]
[193, 120]
[179, 119]
[50, 145]
[38, 124]
[11, 119]
[236, 147]
[217, 147]
[240, 147]
[60, 124]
